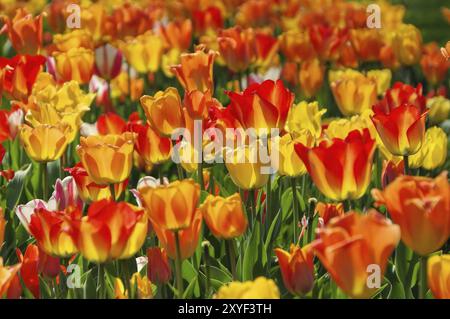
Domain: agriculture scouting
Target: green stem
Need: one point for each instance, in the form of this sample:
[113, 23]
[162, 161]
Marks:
[207, 272]
[406, 164]
[161, 177]
[180, 172]
[200, 176]
[113, 191]
[268, 203]
[232, 253]
[44, 181]
[423, 277]
[179, 277]
[409, 274]
[101, 282]
[294, 207]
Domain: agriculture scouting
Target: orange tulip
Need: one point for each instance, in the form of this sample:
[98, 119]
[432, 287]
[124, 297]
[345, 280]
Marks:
[328, 211]
[439, 276]
[367, 43]
[178, 34]
[111, 230]
[108, 158]
[296, 46]
[340, 168]
[195, 72]
[163, 111]
[153, 148]
[348, 245]
[129, 20]
[311, 77]
[198, 103]
[53, 230]
[421, 207]
[171, 206]
[110, 123]
[7, 277]
[207, 21]
[2, 227]
[158, 267]
[188, 237]
[18, 74]
[236, 47]
[434, 65]
[75, 64]
[224, 216]
[24, 32]
[297, 268]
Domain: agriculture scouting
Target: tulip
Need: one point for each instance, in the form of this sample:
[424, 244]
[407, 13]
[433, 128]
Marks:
[120, 87]
[178, 34]
[198, 103]
[266, 51]
[151, 147]
[245, 169]
[66, 194]
[311, 77]
[45, 142]
[75, 64]
[110, 123]
[354, 94]
[433, 153]
[407, 44]
[236, 47]
[439, 109]
[111, 230]
[391, 170]
[439, 276]
[297, 268]
[18, 74]
[108, 61]
[289, 163]
[188, 237]
[163, 111]
[7, 276]
[328, 211]
[340, 168]
[402, 130]
[108, 158]
[171, 206]
[143, 286]
[382, 78]
[367, 43]
[2, 227]
[208, 21]
[296, 46]
[224, 216]
[421, 207]
[262, 106]
[29, 272]
[260, 288]
[144, 52]
[401, 94]
[53, 230]
[195, 71]
[24, 32]
[306, 116]
[158, 267]
[348, 245]
[434, 65]
[446, 51]
[130, 20]
[73, 39]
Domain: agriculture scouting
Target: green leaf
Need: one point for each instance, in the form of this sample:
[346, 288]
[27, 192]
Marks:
[251, 254]
[15, 187]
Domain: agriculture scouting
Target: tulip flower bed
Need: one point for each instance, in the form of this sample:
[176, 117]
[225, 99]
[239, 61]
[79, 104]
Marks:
[222, 149]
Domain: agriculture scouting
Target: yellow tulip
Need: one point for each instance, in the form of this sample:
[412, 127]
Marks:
[45, 142]
[74, 39]
[382, 78]
[107, 158]
[307, 116]
[407, 44]
[433, 152]
[75, 64]
[144, 52]
[439, 108]
[260, 288]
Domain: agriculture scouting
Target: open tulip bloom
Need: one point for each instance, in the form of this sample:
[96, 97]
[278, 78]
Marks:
[224, 149]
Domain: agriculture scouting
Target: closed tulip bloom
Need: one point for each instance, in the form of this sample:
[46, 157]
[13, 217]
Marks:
[305, 116]
[195, 71]
[402, 130]
[158, 267]
[107, 158]
[439, 276]
[433, 153]
[7, 277]
[171, 206]
[382, 78]
[25, 32]
[178, 34]
[402, 93]
[367, 43]
[111, 230]
[144, 52]
[262, 105]
[198, 103]
[45, 142]
[328, 211]
[245, 168]
[297, 268]
[311, 77]
[340, 168]
[407, 44]
[18, 75]
[236, 47]
[73, 39]
[76, 64]
[153, 148]
[391, 170]
[354, 94]
[434, 66]
[439, 109]
[348, 245]
[224, 216]
[108, 61]
[296, 46]
[53, 230]
[188, 237]
[164, 111]
[110, 123]
[260, 288]
[421, 207]
[284, 157]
